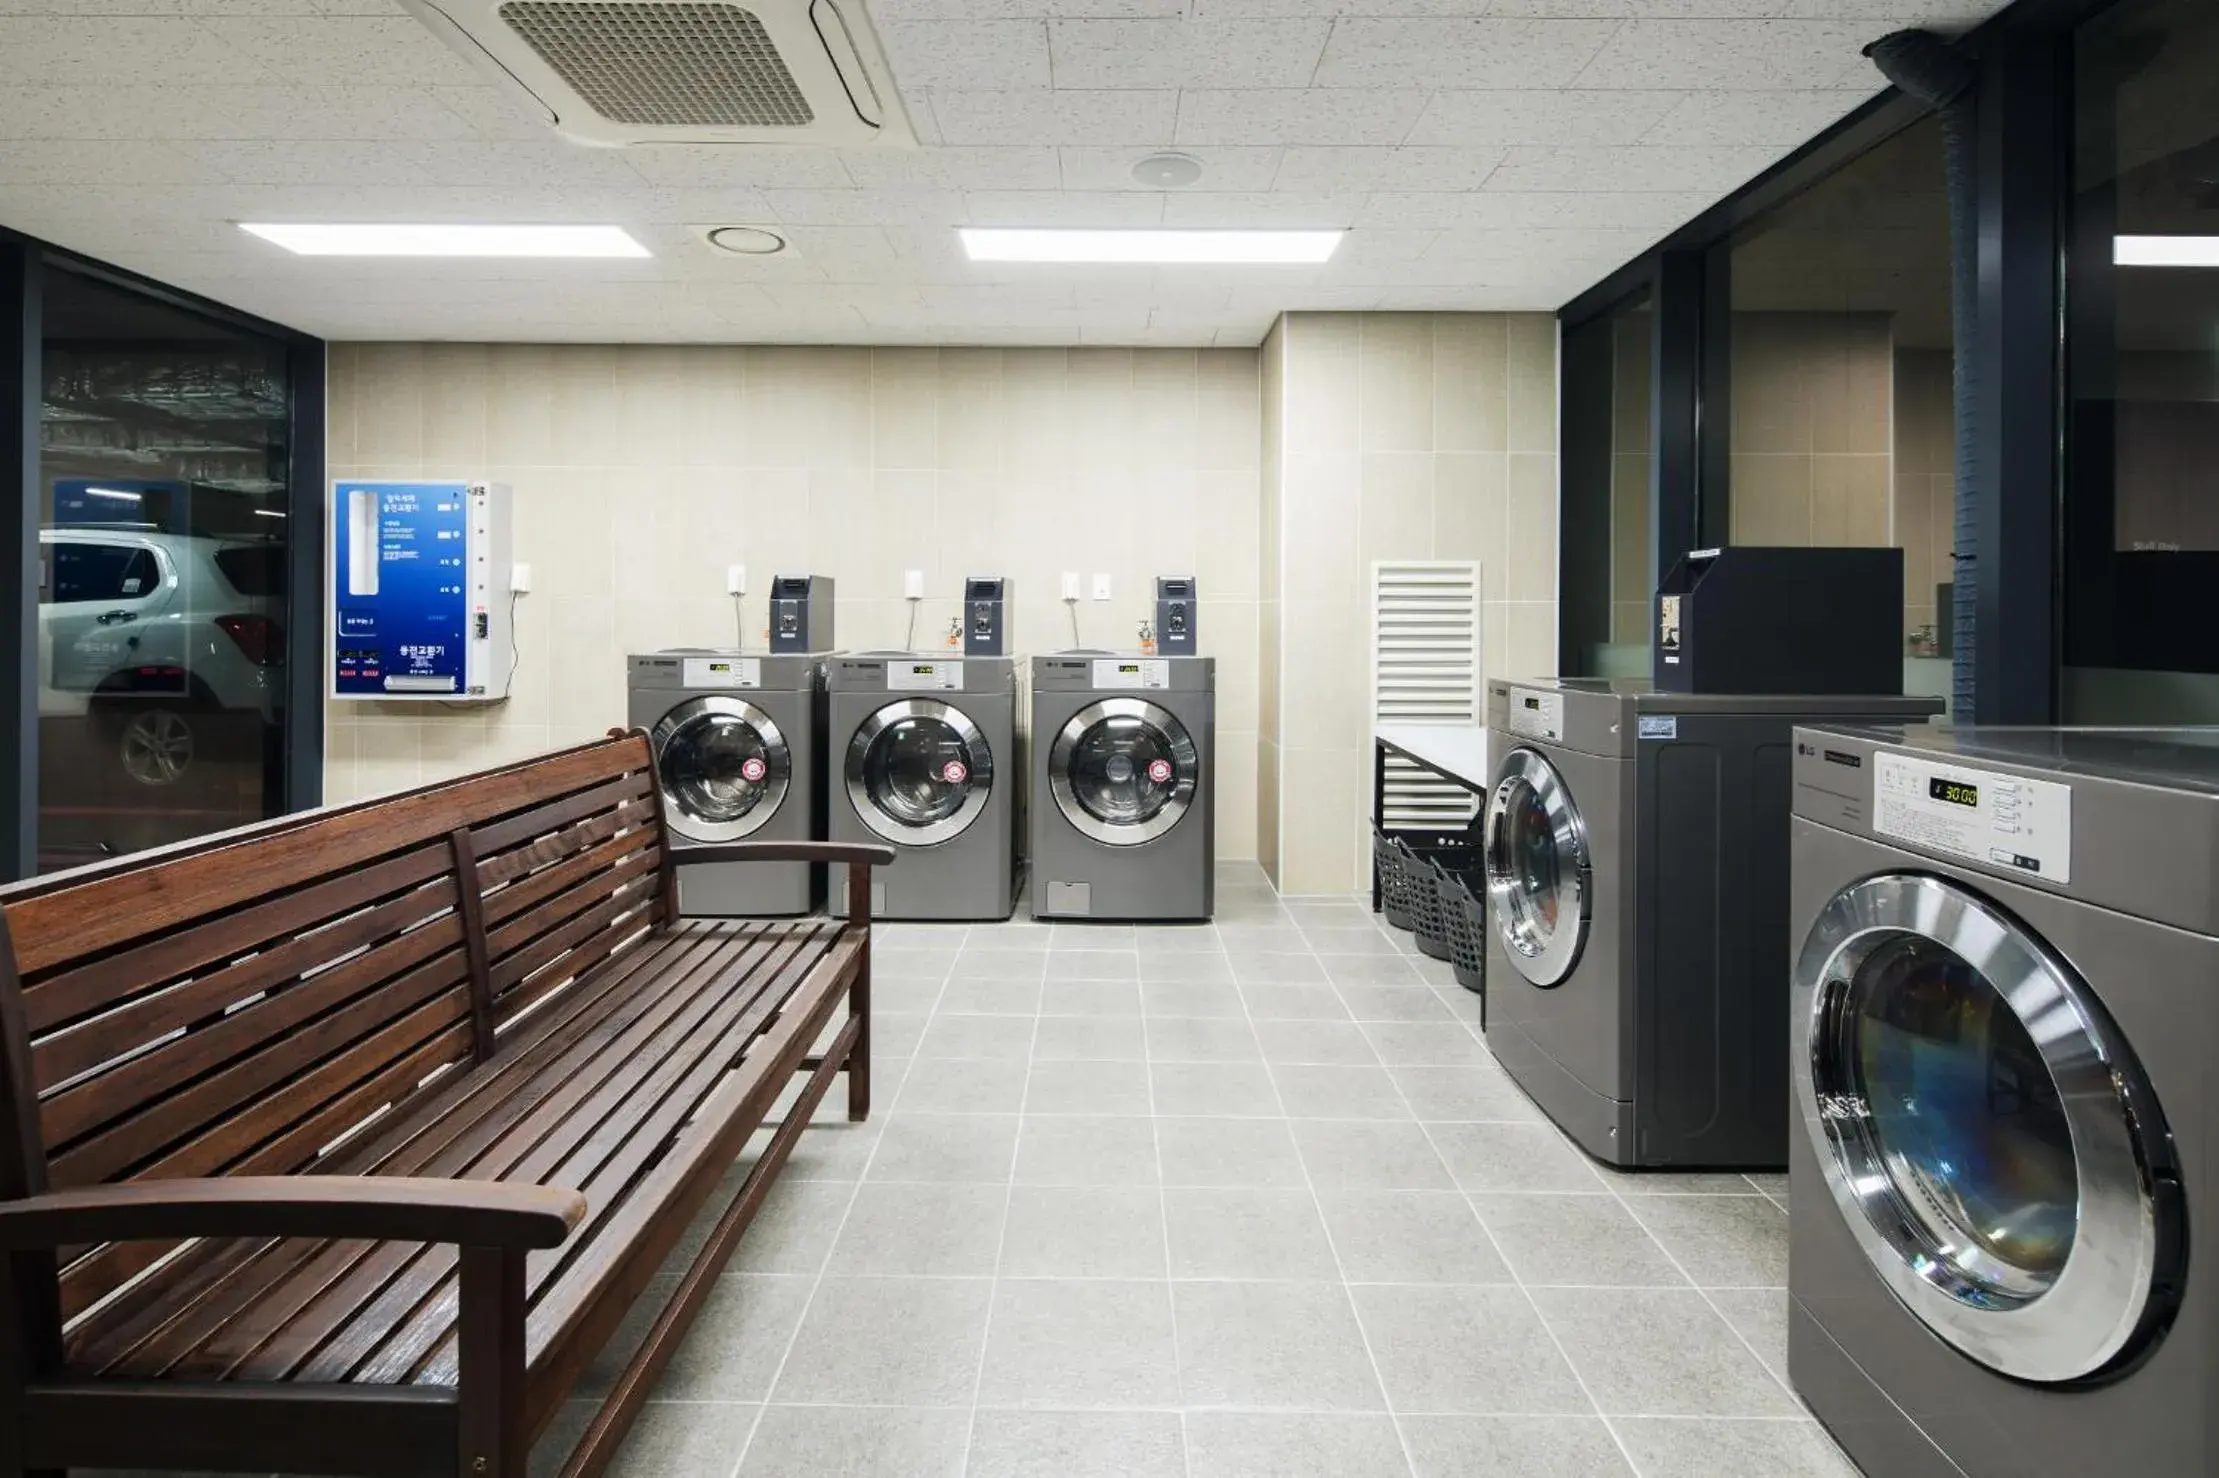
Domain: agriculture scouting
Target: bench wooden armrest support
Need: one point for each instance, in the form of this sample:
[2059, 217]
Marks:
[376, 1207]
[863, 854]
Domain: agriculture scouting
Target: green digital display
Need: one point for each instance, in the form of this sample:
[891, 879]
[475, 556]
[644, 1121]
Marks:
[1956, 792]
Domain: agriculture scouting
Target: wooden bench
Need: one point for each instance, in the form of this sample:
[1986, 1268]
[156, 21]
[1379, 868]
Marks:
[342, 1143]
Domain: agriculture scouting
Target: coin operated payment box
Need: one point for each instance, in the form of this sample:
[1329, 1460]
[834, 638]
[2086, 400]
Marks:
[1175, 615]
[986, 616]
[1750, 619]
[420, 592]
[801, 613]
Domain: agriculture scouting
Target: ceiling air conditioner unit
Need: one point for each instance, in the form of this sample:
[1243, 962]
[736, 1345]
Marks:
[617, 72]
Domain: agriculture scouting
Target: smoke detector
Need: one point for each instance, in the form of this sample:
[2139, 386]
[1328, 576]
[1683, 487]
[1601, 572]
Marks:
[1168, 171]
[744, 241]
[619, 72]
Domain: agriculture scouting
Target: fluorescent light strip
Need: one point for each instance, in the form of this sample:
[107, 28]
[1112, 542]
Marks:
[116, 495]
[1227, 248]
[2165, 251]
[387, 240]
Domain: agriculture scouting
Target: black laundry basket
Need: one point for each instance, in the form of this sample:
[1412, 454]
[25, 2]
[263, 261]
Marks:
[1400, 874]
[1467, 929]
[1434, 899]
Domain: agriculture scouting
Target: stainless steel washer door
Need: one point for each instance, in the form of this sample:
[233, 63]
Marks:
[1123, 771]
[919, 772]
[1538, 880]
[725, 768]
[1984, 1130]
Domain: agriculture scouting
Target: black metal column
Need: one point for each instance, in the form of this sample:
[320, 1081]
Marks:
[1676, 390]
[303, 766]
[2023, 112]
[20, 394]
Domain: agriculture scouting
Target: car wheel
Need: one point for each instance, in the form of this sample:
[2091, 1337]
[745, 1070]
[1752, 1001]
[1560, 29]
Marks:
[155, 745]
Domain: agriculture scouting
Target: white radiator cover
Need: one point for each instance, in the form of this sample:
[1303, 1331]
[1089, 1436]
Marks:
[1426, 669]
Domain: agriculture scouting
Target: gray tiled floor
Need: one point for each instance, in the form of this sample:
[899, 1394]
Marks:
[1235, 1200]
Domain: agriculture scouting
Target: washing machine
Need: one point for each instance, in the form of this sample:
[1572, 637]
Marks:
[921, 753]
[1123, 785]
[1635, 854]
[2005, 1025]
[735, 736]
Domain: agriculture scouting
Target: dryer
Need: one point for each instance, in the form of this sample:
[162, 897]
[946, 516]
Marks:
[921, 752]
[1123, 786]
[735, 737]
[2005, 1016]
[1635, 851]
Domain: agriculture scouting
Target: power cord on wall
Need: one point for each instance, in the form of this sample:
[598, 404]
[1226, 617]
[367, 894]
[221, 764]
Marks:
[516, 660]
[909, 642]
[1071, 604]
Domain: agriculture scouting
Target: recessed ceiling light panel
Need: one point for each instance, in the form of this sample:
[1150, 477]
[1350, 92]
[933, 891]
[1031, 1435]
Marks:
[384, 239]
[1224, 248]
[2165, 251]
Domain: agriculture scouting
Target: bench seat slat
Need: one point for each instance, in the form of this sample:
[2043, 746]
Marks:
[612, 1100]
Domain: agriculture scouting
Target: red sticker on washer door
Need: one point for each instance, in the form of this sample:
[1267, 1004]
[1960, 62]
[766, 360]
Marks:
[1159, 771]
[954, 772]
[752, 769]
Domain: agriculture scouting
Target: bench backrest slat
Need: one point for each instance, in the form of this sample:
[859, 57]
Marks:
[241, 1004]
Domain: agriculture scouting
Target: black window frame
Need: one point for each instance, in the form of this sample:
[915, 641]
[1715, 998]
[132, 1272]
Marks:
[25, 265]
[2023, 106]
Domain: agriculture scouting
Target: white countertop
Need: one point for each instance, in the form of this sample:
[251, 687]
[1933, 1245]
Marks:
[1454, 749]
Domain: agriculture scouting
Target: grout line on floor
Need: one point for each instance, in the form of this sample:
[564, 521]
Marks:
[1001, 1248]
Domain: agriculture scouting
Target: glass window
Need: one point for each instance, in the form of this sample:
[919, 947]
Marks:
[1841, 413]
[1608, 573]
[161, 618]
[2141, 509]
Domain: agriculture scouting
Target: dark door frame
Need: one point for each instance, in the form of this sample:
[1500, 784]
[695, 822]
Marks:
[25, 265]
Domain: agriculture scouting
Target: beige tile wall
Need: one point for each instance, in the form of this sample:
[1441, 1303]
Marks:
[1812, 401]
[642, 472]
[1405, 436]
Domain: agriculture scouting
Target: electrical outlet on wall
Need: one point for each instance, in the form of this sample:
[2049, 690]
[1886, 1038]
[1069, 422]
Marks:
[520, 579]
[1101, 587]
[913, 584]
[1070, 584]
[735, 579]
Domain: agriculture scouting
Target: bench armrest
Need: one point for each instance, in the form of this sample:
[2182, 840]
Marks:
[870, 854]
[390, 1208]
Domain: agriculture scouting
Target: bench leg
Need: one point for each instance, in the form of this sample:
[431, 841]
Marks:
[859, 1056]
[493, 1443]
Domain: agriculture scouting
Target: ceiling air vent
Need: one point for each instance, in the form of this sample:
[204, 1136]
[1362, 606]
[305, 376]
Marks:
[685, 71]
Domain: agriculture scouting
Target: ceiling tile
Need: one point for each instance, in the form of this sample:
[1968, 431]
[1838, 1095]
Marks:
[1222, 169]
[1323, 171]
[1713, 118]
[1629, 170]
[1286, 210]
[1461, 53]
[124, 50]
[1174, 53]
[959, 10]
[1511, 210]
[263, 162]
[1060, 116]
[97, 164]
[953, 169]
[1726, 55]
[865, 207]
[1063, 208]
[1299, 115]
[357, 51]
[1525, 116]
[977, 54]
[787, 168]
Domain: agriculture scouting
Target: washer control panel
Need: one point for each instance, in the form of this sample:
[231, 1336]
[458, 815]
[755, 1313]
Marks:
[723, 672]
[2013, 822]
[1536, 713]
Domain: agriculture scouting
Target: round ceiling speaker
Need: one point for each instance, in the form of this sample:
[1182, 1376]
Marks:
[746, 241]
[1168, 171]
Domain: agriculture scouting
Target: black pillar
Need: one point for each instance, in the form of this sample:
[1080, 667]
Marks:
[20, 393]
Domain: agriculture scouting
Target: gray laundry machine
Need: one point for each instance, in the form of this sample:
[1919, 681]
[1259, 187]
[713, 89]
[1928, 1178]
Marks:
[1124, 781]
[735, 736]
[1635, 851]
[921, 753]
[2006, 1016]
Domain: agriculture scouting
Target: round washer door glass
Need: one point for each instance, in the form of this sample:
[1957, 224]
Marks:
[919, 772]
[1123, 771]
[1537, 871]
[1994, 1148]
[725, 768]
